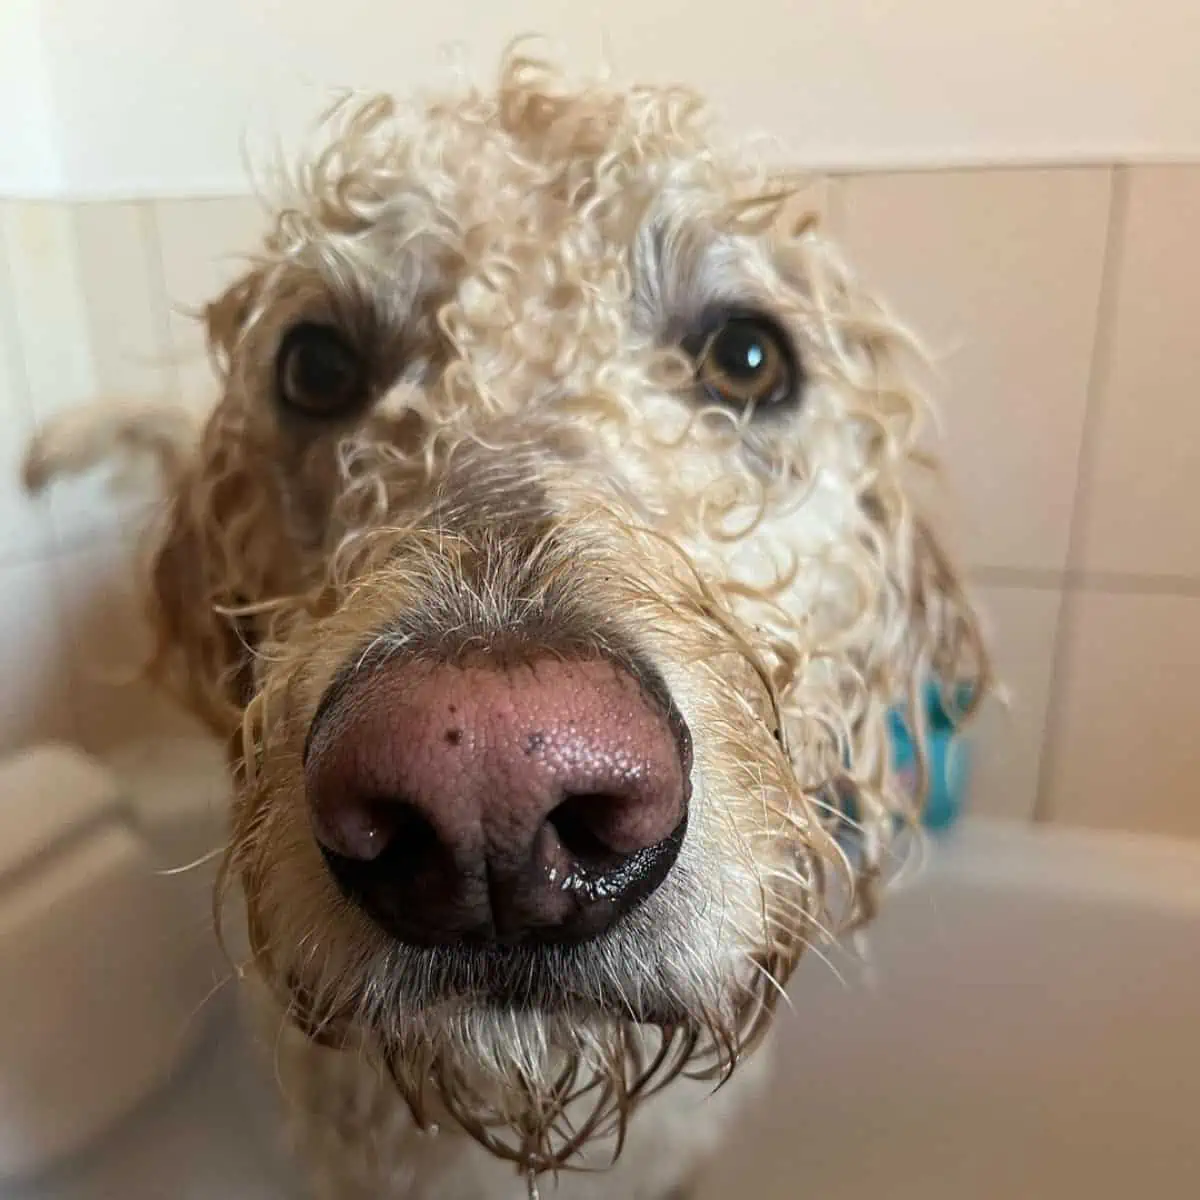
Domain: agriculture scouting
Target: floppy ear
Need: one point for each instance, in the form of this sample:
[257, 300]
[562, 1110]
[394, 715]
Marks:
[204, 650]
[226, 317]
[942, 644]
[950, 648]
[925, 632]
[215, 549]
[114, 432]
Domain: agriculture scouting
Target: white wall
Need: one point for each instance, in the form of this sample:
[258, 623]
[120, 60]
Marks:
[158, 96]
[29, 144]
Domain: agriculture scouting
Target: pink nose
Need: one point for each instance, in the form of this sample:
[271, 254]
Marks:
[498, 803]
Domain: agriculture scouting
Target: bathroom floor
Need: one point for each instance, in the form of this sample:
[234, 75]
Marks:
[207, 1136]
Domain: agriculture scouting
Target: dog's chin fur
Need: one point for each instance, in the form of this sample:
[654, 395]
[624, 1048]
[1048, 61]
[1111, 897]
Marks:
[537, 1081]
[525, 275]
[535, 1086]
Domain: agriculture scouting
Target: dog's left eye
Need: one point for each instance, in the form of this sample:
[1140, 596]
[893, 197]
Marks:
[745, 361]
[318, 372]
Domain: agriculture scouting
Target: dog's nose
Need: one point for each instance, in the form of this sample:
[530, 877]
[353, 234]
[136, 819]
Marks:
[498, 803]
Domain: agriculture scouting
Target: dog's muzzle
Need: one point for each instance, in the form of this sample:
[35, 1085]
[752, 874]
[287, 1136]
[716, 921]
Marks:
[496, 802]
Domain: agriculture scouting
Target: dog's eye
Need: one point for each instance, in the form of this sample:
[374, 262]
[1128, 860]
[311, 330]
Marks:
[318, 372]
[746, 362]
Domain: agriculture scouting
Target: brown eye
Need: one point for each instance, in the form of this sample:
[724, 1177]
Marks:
[746, 362]
[319, 373]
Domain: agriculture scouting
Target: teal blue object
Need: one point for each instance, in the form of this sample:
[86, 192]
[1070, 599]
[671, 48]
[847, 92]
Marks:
[949, 756]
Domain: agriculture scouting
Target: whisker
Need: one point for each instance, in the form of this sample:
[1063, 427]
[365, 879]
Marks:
[204, 859]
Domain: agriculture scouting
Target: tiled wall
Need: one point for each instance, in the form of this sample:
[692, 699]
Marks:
[93, 302]
[1061, 307]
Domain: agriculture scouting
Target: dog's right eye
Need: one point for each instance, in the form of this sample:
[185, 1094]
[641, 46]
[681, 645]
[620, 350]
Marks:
[319, 373]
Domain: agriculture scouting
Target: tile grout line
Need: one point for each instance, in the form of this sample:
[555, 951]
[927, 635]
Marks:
[842, 169]
[1120, 583]
[152, 233]
[828, 167]
[1099, 375]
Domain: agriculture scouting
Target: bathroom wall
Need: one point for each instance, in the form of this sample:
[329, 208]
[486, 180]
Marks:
[1059, 304]
[1058, 298]
[162, 97]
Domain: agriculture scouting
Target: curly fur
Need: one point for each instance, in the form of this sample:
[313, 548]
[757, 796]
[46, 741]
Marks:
[523, 264]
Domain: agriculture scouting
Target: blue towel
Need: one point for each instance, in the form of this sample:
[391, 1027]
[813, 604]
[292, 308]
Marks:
[949, 756]
[949, 760]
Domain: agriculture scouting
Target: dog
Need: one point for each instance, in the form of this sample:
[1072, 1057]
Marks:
[550, 565]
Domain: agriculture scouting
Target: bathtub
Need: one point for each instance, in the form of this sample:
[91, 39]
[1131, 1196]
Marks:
[1025, 1024]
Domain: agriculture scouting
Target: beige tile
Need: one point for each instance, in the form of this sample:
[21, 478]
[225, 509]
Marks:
[1143, 498]
[110, 640]
[51, 310]
[999, 272]
[1008, 740]
[1126, 753]
[121, 282]
[25, 526]
[203, 244]
[35, 701]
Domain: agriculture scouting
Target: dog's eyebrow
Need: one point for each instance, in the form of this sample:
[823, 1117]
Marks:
[683, 272]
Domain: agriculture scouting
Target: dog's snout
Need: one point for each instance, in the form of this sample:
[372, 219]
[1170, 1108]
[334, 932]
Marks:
[498, 802]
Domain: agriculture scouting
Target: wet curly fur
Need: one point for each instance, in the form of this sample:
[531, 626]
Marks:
[525, 271]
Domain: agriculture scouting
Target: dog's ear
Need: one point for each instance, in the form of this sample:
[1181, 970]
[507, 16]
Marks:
[203, 650]
[949, 649]
[226, 318]
[922, 631]
[941, 642]
[219, 548]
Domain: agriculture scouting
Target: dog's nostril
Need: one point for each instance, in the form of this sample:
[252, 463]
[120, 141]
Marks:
[411, 838]
[371, 829]
[580, 822]
[403, 849]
